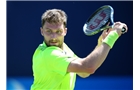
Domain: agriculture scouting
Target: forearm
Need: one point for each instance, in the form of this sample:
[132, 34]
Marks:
[94, 60]
[97, 57]
[99, 54]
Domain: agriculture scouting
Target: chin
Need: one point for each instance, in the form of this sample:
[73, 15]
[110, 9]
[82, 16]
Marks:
[55, 45]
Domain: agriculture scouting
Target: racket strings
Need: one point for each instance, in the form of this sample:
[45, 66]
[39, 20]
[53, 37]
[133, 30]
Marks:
[97, 21]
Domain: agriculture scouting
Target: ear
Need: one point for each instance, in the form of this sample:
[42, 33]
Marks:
[41, 30]
[65, 31]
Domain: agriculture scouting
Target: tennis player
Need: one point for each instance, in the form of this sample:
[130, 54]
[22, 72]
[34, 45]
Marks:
[55, 65]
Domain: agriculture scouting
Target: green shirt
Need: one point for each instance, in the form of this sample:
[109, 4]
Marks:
[50, 68]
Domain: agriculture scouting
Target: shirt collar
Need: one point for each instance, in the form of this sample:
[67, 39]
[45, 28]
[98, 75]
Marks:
[44, 44]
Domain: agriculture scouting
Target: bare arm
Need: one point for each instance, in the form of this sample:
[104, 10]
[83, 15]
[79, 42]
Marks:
[101, 37]
[100, 40]
[93, 61]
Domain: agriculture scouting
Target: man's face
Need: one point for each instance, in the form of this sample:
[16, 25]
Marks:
[54, 34]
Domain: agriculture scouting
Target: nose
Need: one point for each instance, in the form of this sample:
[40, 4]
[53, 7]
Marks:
[53, 35]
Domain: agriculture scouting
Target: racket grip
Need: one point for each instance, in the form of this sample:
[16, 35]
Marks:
[123, 30]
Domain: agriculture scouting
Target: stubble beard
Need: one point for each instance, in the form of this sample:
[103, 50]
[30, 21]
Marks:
[59, 44]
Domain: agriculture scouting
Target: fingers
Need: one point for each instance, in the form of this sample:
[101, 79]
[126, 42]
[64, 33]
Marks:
[125, 26]
[108, 23]
[118, 26]
[103, 35]
[106, 32]
[121, 25]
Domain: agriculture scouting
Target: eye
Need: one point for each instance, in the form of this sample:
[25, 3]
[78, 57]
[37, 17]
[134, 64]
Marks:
[59, 32]
[48, 31]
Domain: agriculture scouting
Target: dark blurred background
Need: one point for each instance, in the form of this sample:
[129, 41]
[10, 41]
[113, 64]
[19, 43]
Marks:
[23, 36]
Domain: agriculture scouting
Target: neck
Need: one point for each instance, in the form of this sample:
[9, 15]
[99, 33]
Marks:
[62, 46]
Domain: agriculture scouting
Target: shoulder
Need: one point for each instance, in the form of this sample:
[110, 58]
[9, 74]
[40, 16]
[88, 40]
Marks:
[52, 50]
[44, 51]
[53, 53]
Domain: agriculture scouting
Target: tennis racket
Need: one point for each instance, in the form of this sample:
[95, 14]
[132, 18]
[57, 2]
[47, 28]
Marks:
[99, 21]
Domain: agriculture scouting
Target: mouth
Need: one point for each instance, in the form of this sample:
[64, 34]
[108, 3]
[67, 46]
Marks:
[53, 43]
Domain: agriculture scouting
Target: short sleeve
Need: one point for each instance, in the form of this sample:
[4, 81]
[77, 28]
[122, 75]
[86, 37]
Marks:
[58, 60]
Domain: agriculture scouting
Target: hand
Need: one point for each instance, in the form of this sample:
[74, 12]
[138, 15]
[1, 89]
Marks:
[103, 36]
[118, 27]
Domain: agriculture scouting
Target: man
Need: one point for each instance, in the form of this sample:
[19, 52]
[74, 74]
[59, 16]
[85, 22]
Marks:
[55, 65]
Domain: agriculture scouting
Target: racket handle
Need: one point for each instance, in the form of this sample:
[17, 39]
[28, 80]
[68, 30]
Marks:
[123, 29]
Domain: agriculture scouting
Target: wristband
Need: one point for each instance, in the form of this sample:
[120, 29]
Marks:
[111, 38]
